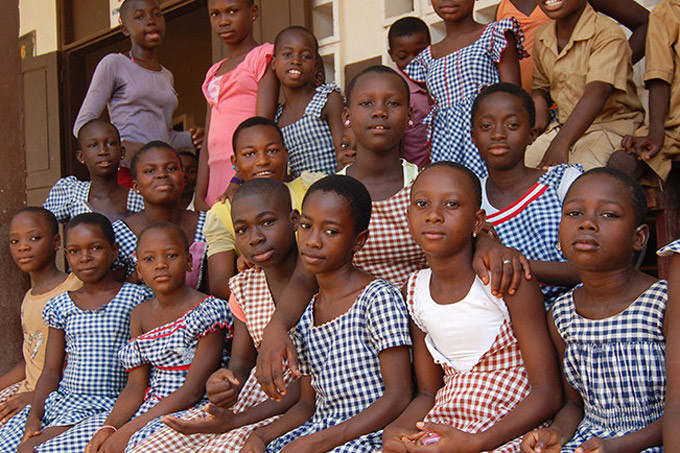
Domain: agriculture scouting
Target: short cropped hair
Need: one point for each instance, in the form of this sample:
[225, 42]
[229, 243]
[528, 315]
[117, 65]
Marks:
[92, 219]
[353, 191]
[407, 26]
[253, 122]
[48, 216]
[377, 69]
[97, 121]
[510, 89]
[471, 176]
[143, 150]
[265, 188]
[300, 29]
[163, 225]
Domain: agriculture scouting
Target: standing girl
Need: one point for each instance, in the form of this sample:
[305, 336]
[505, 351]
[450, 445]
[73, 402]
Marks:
[238, 87]
[353, 337]
[89, 325]
[470, 57]
[101, 152]
[311, 118]
[177, 342]
[157, 173]
[610, 333]
[137, 90]
[484, 365]
[33, 243]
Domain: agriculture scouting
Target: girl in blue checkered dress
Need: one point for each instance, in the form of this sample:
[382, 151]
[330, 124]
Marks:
[177, 342]
[87, 325]
[157, 173]
[311, 118]
[470, 57]
[610, 331]
[353, 340]
[524, 205]
[100, 151]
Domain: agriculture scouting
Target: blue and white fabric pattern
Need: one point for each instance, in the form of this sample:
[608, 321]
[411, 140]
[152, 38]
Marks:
[616, 364]
[341, 356]
[93, 377]
[454, 81]
[169, 349]
[309, 140]
[670, 249]
[68, 198]
[531, 223]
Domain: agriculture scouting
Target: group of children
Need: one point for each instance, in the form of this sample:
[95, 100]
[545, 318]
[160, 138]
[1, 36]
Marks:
[397, 304]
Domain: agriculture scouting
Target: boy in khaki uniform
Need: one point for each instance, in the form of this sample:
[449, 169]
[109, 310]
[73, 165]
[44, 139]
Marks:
[583, 64]
[656, 144]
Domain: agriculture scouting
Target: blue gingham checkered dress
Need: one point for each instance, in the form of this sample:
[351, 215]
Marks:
[342, 358]
[616, 364]
[169, 349]
[531, 223]
[127, 243]
[454, 82]
[93, 376]
[68, 198]
[670, 249]
[309, 140]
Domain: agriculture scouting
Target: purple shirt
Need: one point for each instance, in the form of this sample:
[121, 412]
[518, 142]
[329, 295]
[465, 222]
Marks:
[416, 147]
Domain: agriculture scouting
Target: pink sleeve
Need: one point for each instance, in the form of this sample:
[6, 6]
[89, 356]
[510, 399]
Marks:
[260, 57]
[236, 309]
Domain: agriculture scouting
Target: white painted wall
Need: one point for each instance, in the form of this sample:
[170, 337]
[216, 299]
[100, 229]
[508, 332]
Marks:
[41, 16]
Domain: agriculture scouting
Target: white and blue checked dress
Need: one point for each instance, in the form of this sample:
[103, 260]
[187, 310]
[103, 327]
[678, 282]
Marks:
[93, 376]
[454, 81]
[309, 140]
[531, 223]
[169, 349]
[616, 364]
[127, 243]
[68, 198]
[342, 358]
[670, 249]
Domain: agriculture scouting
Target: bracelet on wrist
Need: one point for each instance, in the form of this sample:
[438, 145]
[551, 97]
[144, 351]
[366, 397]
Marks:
[102, 428]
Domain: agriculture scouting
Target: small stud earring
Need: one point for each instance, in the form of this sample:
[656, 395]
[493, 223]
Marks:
[410, 122]
[138, 191]
[347, 122]
[559, 246]
[233, 167]
[474, 234]
[82, 161]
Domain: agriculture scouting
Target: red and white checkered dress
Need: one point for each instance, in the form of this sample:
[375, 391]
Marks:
[390, 253]
[474, 400]
[252, 294]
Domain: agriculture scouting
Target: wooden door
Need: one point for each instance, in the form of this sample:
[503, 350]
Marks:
[41, 125]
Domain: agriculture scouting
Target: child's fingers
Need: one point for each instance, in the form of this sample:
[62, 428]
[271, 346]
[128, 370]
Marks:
[291, 356]
[231, 377]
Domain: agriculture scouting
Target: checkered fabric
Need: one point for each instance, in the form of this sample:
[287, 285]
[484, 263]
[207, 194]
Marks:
[342, 358]
[670, 249]
[253, 297]
[127, 258]
[390, 252]
[454, 82]
[8, 392]
[616, 364]
[68, 198]
[474, 400]
[531, 223]
[309, 140]
[93, 377]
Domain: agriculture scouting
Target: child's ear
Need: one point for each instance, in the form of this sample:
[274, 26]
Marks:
[122, 151]
[79, 156]
[254, 12]
[533, 134]
[57, 242]
[124, 29]
[115, 249]
[233, 161]
[480, 219]
[295, 217]
[360, 241]
[135, 186]
[641, 237]
[190, 262]
[345, 117]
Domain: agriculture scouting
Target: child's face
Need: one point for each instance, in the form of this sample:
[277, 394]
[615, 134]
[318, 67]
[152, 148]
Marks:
[260, 153]
[162, 260]
[327, 236]
[501, 131]
[232, 20]
[379, 110]
[264, 229]
[31, 242]
[453, 10]
[406, 48]
[144, 23]
[348, 148]
[89, 253]
[443, 214]
[190, 171]
[159, 176]
[597, 230]
[100, 149]
[559, 9]
[295, 59]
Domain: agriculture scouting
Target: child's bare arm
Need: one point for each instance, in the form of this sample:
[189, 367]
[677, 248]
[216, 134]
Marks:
[671, 433]
[333, 114]
[542, 102]
[588, 107]
[221, 267]
[659, 100]
[556, 273]
[630, 14]
[267, 94]
[203, 175]
[508, 66]
[16, 374]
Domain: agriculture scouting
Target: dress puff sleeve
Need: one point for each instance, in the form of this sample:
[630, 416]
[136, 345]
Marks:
[387, 317]
[53, 313]
[131, 356]
[497, 41]
[259, 59]
[670, 249]
[417, 68]
[208, 316]
[59, 199]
